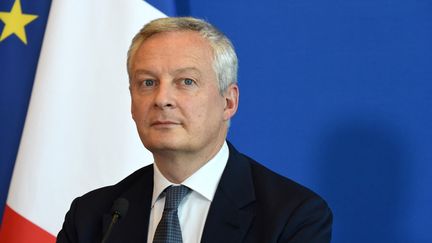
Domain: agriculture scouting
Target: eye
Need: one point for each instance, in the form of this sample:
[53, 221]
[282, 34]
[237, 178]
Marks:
[188, 81]
[149, 82]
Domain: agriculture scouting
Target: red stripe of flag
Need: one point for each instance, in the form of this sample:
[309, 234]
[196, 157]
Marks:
[17, 229]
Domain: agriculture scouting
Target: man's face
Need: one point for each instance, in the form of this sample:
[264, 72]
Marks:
[176, 103]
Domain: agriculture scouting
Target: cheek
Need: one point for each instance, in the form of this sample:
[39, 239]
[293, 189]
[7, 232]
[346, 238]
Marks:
[139, 110]
[209, 110]
[195, 111]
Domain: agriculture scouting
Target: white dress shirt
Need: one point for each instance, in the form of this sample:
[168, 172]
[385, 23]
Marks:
[192, 211]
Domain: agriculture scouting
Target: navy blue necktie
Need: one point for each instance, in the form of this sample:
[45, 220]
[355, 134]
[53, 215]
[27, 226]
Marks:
[168, 229]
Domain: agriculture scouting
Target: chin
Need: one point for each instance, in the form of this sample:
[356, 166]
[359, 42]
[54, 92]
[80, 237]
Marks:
[162, 144]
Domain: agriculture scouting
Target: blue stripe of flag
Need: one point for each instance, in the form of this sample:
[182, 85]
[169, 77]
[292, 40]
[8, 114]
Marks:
[18, 63]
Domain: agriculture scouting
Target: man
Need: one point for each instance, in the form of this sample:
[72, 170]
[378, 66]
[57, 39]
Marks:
[183, 76]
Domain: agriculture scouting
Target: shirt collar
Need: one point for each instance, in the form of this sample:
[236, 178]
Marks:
[204, 181]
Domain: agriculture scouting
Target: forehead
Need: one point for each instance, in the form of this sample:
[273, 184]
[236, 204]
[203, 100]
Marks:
[185, 36]
[175, 44]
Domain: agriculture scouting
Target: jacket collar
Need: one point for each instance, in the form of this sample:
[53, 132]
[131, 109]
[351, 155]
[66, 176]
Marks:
[230, 213]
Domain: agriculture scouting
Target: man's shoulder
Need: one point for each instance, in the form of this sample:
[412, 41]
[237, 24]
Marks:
[285, 187]
[271, 187]
[284, 210]
[87, 212]
[109, 193]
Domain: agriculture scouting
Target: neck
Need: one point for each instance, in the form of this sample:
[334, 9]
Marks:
[178, 166]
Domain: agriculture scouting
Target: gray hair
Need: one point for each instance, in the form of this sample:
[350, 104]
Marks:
[225, 62]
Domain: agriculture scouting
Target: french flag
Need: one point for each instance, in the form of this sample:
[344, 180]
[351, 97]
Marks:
[78, 133]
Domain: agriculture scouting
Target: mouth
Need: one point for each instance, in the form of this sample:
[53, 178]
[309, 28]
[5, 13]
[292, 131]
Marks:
[165, 124]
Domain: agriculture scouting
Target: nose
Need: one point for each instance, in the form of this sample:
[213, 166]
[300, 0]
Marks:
[164, 96]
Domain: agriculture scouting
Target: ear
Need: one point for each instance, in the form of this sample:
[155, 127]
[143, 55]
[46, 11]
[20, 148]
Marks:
[132, 103]
[231, 96]
[132, 112]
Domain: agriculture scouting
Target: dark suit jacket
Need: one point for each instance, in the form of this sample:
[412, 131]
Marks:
[251, 204]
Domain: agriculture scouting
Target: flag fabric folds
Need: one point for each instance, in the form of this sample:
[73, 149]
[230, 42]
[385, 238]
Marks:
[78, 133]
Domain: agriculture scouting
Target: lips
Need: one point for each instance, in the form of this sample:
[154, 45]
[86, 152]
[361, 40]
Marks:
[164, 123]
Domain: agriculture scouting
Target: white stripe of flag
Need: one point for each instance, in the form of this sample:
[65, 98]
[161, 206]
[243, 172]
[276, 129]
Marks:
[79, 134]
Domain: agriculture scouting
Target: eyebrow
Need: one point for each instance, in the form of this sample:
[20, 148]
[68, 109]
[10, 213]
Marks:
[144, 71]
[186, 69]
[177, 71]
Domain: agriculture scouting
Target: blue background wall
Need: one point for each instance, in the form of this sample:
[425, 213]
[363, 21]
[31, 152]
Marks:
[338, 96]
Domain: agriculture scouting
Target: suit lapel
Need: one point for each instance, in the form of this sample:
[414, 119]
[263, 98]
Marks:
[134, 226]
[231, 211]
